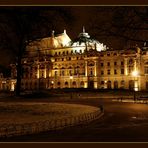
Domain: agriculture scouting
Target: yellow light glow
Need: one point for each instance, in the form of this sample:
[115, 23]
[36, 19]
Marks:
[85, 85]
[71, 77]
[95, 85]
[45, 73]
[12, 86]
[135, 73]
[136, 89]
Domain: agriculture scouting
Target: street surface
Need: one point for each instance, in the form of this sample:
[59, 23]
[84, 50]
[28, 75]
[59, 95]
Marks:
[122, 122]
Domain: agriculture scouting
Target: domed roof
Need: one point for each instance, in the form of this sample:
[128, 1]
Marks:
[85, 40]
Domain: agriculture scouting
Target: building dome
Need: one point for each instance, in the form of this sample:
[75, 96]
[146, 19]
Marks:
[84, 40]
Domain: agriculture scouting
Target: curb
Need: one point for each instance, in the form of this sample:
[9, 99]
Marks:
[37, 127]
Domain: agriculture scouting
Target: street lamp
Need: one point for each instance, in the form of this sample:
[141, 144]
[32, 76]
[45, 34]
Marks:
[135, 74]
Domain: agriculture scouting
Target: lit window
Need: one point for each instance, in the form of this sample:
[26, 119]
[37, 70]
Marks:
[91, 71]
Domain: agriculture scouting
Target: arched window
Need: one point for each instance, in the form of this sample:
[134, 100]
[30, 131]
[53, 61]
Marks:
[131, 85]
[73, 83]
[58, 83]
[81, 84]
[66, 83]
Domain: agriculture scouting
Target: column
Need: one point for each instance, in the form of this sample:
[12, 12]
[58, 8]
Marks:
[95, 68]
[38, 71]
[45, 73]
[86, 68]
[125, 66]
[135, 65]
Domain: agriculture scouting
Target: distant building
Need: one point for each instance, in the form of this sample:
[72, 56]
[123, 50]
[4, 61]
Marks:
[7, 84]
[58, 62]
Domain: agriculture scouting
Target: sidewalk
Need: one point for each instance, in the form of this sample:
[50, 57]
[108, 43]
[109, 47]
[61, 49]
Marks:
[130, 101]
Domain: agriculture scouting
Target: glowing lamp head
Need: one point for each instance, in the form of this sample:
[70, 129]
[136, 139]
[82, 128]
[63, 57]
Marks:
[135, 73]
[71, 77]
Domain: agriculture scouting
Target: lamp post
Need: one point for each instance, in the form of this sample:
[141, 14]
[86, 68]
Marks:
[135, 75]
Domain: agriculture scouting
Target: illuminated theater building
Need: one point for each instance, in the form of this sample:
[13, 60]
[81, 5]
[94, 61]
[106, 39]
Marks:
[57, 62]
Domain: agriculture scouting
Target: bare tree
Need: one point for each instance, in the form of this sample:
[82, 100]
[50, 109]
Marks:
[127, 24]
[20, 25]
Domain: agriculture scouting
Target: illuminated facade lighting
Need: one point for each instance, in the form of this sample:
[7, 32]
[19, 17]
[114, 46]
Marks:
[84, 63]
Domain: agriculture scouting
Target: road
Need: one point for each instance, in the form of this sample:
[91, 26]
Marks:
[122, 122]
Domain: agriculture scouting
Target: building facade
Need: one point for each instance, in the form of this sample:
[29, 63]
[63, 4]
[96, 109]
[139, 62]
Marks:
[58, 62]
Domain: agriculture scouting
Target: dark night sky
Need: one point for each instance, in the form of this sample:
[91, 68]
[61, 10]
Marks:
[98, 22]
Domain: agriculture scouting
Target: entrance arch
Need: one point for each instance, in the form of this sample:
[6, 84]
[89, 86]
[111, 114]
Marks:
[91, 84]
[131, 85]
[115, 84]
[109, 85]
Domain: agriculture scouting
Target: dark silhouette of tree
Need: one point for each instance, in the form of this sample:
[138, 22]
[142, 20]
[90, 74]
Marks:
[21, 25]
[127, 24]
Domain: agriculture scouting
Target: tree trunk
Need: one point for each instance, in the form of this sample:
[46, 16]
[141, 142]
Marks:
[19, 67]
[18, 83]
